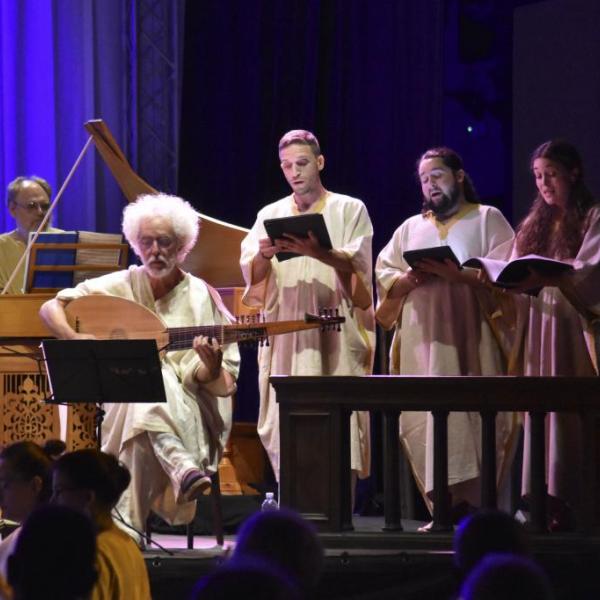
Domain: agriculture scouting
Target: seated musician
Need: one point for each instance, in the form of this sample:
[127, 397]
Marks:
[28, 201]
[170, 449]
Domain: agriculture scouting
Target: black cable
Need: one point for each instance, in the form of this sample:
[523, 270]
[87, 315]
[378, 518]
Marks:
[143, 535]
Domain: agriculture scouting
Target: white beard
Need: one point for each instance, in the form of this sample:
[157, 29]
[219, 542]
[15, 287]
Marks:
[159, 272]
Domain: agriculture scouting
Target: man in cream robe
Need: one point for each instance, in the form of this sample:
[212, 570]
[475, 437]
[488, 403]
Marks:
[202, 422]
[440, 328]
[289, 289]
[164, 443]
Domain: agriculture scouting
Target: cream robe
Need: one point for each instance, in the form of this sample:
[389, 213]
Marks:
[556, 338]
[200, 420]
[442, 330]
[300, 285]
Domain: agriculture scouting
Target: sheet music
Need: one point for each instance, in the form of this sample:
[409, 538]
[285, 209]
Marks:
[95, 256]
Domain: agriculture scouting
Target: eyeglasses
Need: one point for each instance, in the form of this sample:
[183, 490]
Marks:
[163, 242]
[33, 206]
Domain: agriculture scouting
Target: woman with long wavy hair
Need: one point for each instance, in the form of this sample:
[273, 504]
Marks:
[557, 324]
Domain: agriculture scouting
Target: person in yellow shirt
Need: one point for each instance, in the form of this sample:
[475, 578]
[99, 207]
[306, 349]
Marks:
[28, 201]
[92, 482]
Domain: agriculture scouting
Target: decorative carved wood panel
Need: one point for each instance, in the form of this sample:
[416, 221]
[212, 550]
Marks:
[81, 429]
[24, 413]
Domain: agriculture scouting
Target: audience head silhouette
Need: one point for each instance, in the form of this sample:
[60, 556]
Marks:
[24, 479]
[506, 576]
[246, 578]
[486, 532]
[54, 557]
[282, 538]
[90, 481]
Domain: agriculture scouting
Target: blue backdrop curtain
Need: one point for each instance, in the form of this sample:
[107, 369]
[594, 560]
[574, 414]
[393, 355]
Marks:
[366, 76]
[62, 63]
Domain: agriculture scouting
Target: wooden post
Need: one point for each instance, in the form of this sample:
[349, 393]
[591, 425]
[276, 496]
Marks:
[441, 497]
[537, 452]
[391, 471]
[488, 459]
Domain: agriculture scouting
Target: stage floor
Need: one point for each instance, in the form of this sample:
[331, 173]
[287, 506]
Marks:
[362, 526]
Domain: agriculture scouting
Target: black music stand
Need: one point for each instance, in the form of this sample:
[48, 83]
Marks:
[100, 371]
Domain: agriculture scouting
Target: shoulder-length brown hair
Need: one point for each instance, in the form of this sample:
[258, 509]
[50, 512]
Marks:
[542, 231]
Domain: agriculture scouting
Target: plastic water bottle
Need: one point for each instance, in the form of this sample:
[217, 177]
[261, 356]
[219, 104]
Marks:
[269, 503]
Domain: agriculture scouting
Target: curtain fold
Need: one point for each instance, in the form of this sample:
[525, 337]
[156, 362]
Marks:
[62, 63]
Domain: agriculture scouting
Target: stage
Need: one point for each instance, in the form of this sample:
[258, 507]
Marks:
[371, 563]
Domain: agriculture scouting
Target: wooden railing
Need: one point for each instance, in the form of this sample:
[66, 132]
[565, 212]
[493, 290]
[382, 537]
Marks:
[315, 442]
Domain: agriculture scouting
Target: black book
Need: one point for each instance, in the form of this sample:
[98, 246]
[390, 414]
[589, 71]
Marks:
[437, 253]
[511, 274]
[501, 273]
[299, 226]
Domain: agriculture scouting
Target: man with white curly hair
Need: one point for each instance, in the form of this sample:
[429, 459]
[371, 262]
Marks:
[170, 449]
